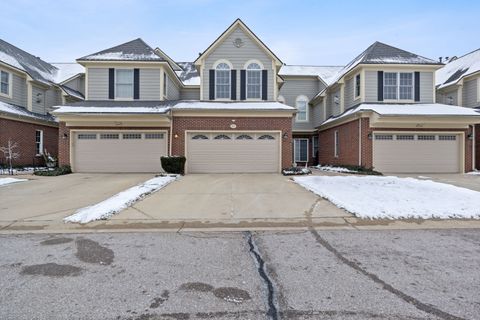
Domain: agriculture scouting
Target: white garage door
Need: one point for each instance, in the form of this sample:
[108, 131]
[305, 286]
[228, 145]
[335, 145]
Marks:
[114, 151]
[416, 153]
[240, 152]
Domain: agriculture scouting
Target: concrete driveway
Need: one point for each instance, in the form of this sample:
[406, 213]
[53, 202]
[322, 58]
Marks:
[236, 199]
[49, 199]
[469, 181]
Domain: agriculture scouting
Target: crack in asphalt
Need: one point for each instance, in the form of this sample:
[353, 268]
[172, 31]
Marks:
[272, 312]
[400, 294]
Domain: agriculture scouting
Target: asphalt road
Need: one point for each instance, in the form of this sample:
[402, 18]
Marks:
[414, 274]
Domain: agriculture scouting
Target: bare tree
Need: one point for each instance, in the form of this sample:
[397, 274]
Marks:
[10, 153]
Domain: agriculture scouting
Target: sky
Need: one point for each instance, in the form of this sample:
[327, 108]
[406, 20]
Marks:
[299, 32]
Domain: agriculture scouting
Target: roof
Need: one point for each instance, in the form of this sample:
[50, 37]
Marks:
[38, 69]
[239, 22]
[71, 92]
[133, 107]
[13, 110]
[135, 50]
[457, 69]
[326, 73]
[419, 109]
[67, 70]
[189, 74]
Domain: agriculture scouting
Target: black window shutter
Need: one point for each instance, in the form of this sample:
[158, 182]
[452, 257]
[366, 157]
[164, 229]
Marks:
[417, 86]
[264, 84]
[111, 83]
[233, 84]
[136, 84]
[243, 84]
[211, 84]
[380, 85]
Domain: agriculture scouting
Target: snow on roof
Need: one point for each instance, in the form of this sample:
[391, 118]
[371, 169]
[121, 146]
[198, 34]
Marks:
[455, 70]
[120, 55]
[189, 74]
[324, 72]
[212, 105]
[419, 109]
[128, 110]
[67, 70]
[20, 111]
[73, 93]
[135, 50]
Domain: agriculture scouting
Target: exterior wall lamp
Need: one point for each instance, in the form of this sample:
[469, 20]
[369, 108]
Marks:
[285, 136]
[369, 136]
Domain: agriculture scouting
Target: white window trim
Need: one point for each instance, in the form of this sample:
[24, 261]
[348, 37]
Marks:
[41, 142]
[10, 85]
[115, 85]
[246, 79]
[398, 87]
[336, 143]
[215, 65]
[314, 155]
[165, 84]
[355, 97]
[307, 115]
[294, 153]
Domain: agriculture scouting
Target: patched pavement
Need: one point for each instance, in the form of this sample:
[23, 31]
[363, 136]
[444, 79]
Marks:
[302, 274]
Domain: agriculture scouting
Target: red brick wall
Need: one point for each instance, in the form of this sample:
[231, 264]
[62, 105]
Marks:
[348, 145]
[311, 159]
[181, 124]
[23, 133]
[64, 134]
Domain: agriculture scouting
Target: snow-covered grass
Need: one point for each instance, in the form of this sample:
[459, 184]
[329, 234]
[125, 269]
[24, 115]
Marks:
[105, 209]
[394, 198]
[474, 173]
[5, 181]
[334, 169]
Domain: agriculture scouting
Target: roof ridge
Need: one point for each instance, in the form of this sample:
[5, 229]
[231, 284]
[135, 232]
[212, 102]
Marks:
[464, 55]
[28, 53]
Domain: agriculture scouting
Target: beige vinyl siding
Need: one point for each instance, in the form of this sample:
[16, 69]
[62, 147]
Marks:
[349, 94]
[77, 84]
[335, 107]
[443, 97]
[371, 88]
[173, 91]
[190, 94]
[470, 92]
[293, 88]
[238, 57]
[97, 84]
[19, 92]
[318, 114]
[149, 84]
[38, 100]
[426, 87]
[53, 97]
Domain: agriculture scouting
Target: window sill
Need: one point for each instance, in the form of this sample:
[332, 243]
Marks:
[301, 121]
[123, 99]
[9, 96]
[222, 99]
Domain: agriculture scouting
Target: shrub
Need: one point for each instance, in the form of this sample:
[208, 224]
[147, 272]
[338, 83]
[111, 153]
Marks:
[55, 172]
[174, 164]
[362, 170]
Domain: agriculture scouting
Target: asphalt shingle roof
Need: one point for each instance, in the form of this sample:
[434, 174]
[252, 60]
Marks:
[135, 50]
[458, 68]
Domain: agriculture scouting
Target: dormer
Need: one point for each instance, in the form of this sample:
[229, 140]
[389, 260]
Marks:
[238, 66]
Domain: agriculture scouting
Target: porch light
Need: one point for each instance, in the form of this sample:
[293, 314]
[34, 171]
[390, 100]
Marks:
[65, 135]
[369, 136]
[470, 136]
[285, 136]
[175, 136]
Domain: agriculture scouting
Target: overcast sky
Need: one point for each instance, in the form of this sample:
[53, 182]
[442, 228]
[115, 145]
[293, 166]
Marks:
[299, 32]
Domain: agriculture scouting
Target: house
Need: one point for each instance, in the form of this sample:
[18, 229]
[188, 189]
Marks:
[219, 111]
[458, 83]
[381, 112]
[239, 108]
[30, 87]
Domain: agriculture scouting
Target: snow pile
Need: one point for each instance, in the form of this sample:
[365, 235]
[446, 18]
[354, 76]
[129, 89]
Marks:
[123, 56]
[394, 198]
[5, 181]
[334, 169]
[457, 69]
[120, 201]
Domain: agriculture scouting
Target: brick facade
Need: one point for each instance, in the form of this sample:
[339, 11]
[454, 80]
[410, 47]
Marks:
[23, 133]
[349, 143]
[284, 124]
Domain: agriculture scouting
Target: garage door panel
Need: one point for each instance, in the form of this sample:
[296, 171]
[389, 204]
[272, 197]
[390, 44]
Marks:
[232, 155]
[416, 156]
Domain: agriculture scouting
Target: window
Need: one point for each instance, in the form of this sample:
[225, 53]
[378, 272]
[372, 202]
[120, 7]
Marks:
[151, 136]
[266, 137]
[405, 137]
[38, 142]
[132, 136]
[4, 83]
[300, 150]
[301, 105]
[222, 137]
[314, 146]
[426, 137]
[222, 81]
[244, 137]
[336, 144]
[87, 136]
[124, 83]
[254, 81]
[109, 136]
[398, 86]
[383, 137]
[447, 138]
[357, 86]
[200, 137]
[165, 84]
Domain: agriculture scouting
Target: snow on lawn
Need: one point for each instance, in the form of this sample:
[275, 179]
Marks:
[394, 198]
[5, 181]
[474, 173]
[334, 169]
[120, 201]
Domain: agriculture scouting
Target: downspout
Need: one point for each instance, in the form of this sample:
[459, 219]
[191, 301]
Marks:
[474, 165]
[360, 142]
[171, 134]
